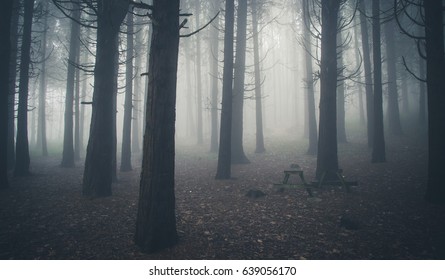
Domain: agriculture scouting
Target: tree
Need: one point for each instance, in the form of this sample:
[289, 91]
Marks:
[156, 221]
[68, 136]
[309, 81]
[128, 107]
[214, 47]
[259, 147]
[327, 158]
[198, 74]
[225, 148]
[98, 173]
[378, 144]
[341, 114]
[5, 50]
[238, 155]
[22, 161]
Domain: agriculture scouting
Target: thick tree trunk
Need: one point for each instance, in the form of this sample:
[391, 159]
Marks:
[98, 173]
[22, 146]
[368, 73]
[156, 221]
[68, 135]
[225, 147]
[435, 70]
[214, 54]
[259, 147]
[378, 144]
[312, 121]
[393, 97]
[128, 107]
[12, 81]
[5, 52]
[238, 155]
[327, 158]
[41, 130]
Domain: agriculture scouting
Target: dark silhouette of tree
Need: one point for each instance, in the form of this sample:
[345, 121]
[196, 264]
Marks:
[378, 144]
[99, 164]
[368, 73]
[238, 155]
[5, 51]
[224, 154]
[68, 135]
[341, 112]
[309, 82]
[128, 106]
[22, 161]
[327, 158]
[259, 144]
[214, 54]
[200, 137]
[156, 221]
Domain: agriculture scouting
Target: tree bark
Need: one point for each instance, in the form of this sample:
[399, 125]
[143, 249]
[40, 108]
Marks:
[98, 173]
[312, 121]
[435, 70]
[378, 144]
[156, 221]
[22, 161]
[225, 147]
[327, 158]
[238, 155]
[5, 52]
[128, 107]
[393, 112]
[259, 147]
[68, 135]
[368, 73]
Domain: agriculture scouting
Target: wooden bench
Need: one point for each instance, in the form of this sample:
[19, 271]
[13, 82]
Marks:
[295, 169]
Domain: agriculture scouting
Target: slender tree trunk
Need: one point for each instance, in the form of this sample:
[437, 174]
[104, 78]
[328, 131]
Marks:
[68, 136]
[393, 97]
[41, 130]
[258, 96]
[225, 147]
[214, 54]
[136, 127]
[198, 76]
[368, 73]
[156, 220]
[435, 70]
[12, 83]
[422, 95]
[22, 146]
[5, 52]
[98, 173]
[378, 145]
[327, 158]
[238, 155]
[77, 112]
[128, 107]
[312, 121]
[359, 86]
[341, 113]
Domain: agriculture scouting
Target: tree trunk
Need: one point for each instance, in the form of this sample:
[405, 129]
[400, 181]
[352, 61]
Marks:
[198, 76]
[378, 145]
[156, 221]
[77, 111]
[41, 130]
[341, 113]
[258, 96]
[5, 52]
[68, 135]
[327, 158]
[435, 70]
[393, 97]
[312, 121]
[128, 107]
[359, 86]
[12, 81]
[225, 147]
[368, 73]
[98, 172]
[22, 147]
[422, 95]
[214, 54]
[238, 155]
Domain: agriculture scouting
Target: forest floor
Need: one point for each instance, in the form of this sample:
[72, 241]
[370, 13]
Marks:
[44, 216]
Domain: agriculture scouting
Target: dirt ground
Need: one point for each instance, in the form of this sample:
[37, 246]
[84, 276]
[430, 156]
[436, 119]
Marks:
[44, 216]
